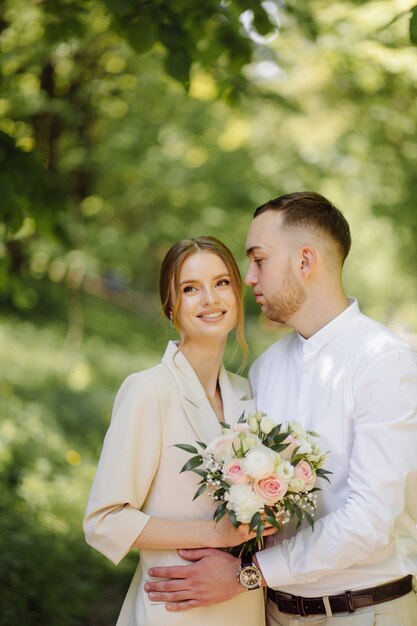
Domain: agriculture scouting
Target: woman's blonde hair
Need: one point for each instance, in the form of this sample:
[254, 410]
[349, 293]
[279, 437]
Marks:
[170, 274]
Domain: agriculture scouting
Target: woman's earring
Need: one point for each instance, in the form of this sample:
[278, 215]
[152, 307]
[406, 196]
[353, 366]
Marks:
[170, 319]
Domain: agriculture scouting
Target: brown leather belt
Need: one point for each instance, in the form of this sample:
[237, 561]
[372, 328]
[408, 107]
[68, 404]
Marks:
[346, 602]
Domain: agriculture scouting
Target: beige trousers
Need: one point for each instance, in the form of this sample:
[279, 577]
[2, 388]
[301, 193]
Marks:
[399, 612]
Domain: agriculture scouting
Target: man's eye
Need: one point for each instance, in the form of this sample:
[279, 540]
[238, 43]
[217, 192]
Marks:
[258, 262]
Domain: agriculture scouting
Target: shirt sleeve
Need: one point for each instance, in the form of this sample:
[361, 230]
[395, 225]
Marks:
[127, 466]
[383, 462]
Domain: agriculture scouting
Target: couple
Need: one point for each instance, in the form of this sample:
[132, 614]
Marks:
[340, 374]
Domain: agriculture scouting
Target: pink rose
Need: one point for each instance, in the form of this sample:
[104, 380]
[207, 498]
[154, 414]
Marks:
[303, 471]
[234, 474]
[271, 489]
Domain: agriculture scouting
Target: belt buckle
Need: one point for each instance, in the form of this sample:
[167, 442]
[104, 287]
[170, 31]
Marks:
[300, 607]
[349, 602]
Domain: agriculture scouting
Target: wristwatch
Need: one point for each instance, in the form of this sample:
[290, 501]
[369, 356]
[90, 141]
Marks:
[248, 574]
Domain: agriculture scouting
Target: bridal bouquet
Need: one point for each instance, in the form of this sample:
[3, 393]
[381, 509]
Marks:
[259, 472]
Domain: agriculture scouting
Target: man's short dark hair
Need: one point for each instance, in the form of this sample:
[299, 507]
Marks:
[307, 208]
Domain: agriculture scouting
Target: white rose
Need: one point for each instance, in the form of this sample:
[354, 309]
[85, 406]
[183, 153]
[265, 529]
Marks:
[243, 501]
[245, 441]
[285, 470]
[321, 460]
[297, 430]
[267, 424]
[296, 485]
[259, 462]
[304, 447]
[253, 423]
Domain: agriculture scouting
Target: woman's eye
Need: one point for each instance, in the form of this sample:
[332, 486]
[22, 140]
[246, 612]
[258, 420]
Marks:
[223, 283]
[189, 288]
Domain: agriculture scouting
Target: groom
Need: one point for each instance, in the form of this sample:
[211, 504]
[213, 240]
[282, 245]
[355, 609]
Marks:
[351, 380]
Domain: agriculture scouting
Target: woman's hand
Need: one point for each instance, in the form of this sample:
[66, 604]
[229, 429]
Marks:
[225, 535]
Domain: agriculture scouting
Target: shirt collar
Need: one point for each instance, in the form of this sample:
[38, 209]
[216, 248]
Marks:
[331, 330]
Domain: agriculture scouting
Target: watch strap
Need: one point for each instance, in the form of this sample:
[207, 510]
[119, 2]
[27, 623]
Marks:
[246, 560]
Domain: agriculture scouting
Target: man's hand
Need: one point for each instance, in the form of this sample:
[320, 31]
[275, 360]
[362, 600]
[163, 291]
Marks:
[209, 579]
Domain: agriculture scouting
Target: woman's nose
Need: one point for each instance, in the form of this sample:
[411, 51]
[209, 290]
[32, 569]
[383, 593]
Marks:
[209, 296]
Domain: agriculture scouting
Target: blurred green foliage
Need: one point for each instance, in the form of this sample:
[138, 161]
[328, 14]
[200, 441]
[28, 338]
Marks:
[124, 126]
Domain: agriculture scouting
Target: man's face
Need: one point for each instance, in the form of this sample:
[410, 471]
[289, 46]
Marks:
[271, 250]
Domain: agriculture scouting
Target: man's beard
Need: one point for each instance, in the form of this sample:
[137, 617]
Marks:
[280, 307]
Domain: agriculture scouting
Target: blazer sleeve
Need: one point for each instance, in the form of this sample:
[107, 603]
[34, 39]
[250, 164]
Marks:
[128, 463]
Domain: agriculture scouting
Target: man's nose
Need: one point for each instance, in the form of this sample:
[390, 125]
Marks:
[250, 276]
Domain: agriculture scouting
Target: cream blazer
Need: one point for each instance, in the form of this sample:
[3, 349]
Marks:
[138, 476]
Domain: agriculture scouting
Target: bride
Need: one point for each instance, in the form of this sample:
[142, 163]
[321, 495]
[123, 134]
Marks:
[139, 499]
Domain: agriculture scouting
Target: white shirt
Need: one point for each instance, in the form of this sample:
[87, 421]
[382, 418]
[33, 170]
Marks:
[355, 384]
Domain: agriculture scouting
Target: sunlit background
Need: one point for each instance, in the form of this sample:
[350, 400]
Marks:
[120, 135]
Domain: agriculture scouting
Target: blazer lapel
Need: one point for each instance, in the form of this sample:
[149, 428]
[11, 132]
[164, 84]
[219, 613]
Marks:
[234, 390]
[200, 414]
[196, 406]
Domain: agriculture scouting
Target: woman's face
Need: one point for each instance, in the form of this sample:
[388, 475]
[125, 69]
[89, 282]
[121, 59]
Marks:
[208, 307]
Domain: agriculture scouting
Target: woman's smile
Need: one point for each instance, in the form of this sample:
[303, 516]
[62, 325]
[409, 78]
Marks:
[211, 316]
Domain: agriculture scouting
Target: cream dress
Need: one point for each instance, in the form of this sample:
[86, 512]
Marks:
[138, 476]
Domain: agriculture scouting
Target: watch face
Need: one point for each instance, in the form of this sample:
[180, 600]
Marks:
[250, 577]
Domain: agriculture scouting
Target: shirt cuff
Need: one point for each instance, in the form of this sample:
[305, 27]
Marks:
[274, 568]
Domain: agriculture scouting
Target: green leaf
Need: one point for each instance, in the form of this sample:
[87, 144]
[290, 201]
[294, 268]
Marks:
[289, 505]
[201, 473]
[233, 518]
[270, 519]
[260, 20]
[199, 491]
[122, 8]
[269, 510]
[309, 519]
[255, 519]
[297, 457]
[178, 65]
[279, 447]
[241, 419]
[259, 530]
[413, 25]
[275, 434]
[142, 33]
[186, 447]
[224, 424]
[299, 514]
[192, 463]
[201, 444]
[220, 511]
[323, 474]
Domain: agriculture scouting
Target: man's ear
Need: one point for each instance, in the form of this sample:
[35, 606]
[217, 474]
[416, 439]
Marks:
[306, 261]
